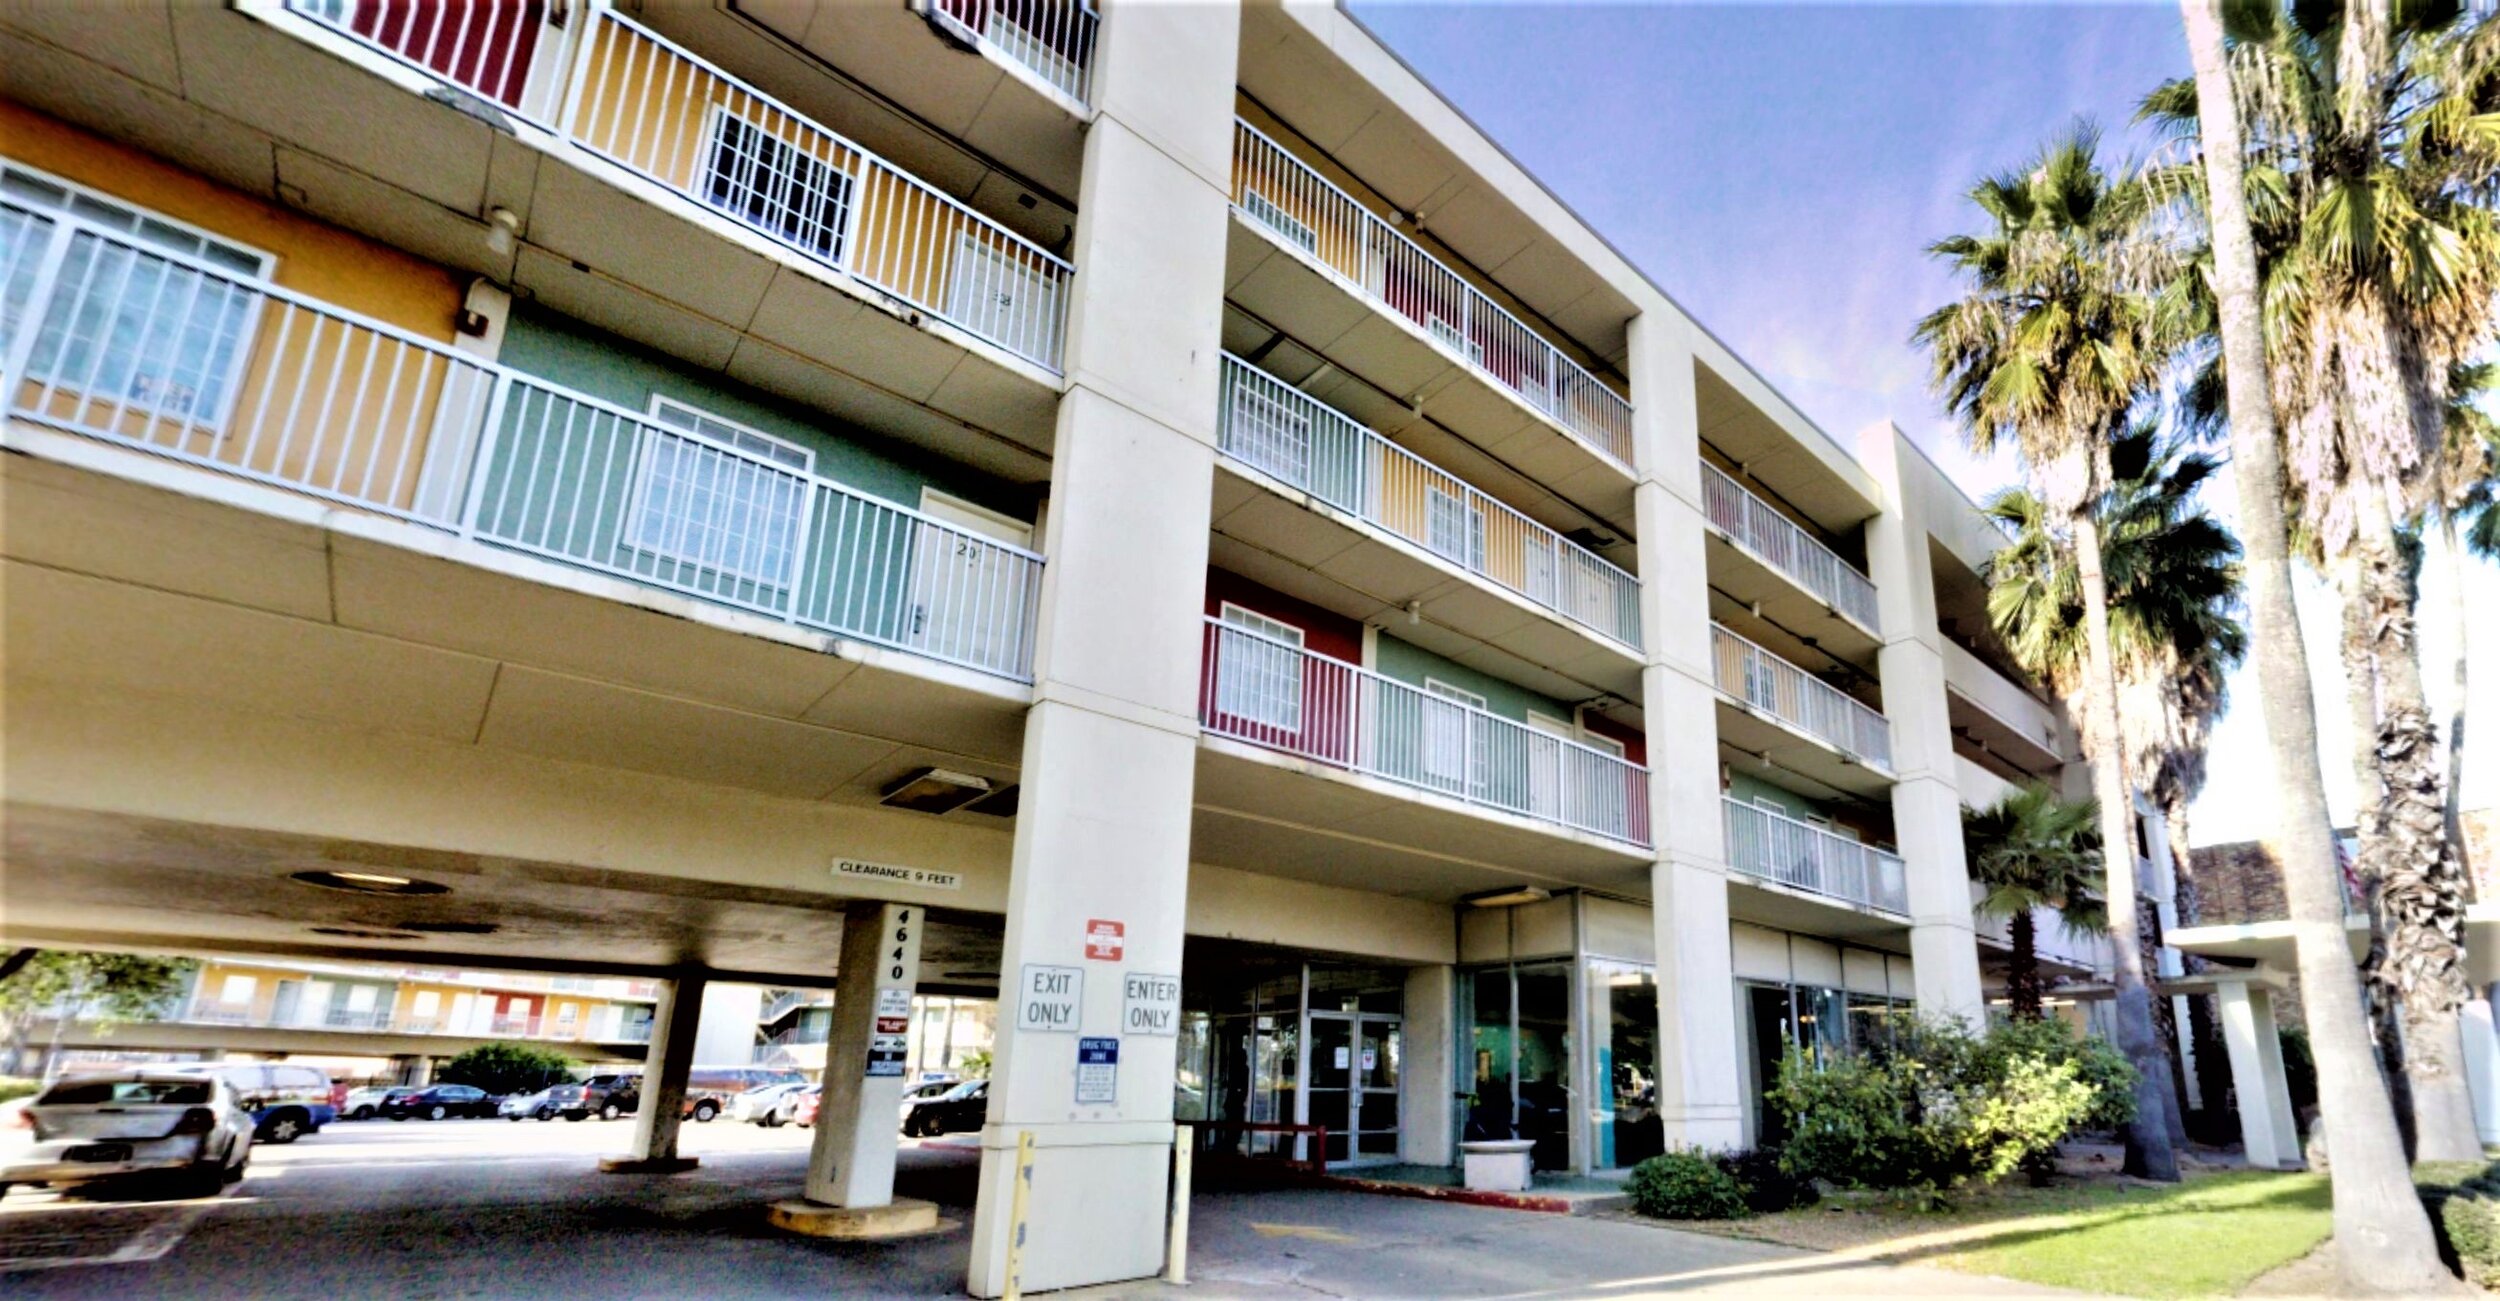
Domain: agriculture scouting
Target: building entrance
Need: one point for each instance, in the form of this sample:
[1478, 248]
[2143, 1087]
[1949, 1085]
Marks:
[1353, 1088]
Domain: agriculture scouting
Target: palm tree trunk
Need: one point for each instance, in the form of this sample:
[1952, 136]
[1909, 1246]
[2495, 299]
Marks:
[2022, 969]
[2165, 1025]
[2421, 893]
[2458, 619]
[2149, 1154]
[2383, 1238]
[2380, 996]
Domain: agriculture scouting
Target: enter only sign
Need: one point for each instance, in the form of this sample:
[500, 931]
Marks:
[1152, 1004]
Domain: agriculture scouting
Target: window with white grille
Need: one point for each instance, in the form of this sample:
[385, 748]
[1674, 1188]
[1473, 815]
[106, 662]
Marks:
[1270, 429]
[1259, 677]
[1266, 213]
[777, 187]
[152, 334]
[720, 497]
[1453, 527]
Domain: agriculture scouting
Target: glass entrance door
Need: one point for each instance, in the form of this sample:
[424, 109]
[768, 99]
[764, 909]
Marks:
[1353, 1088]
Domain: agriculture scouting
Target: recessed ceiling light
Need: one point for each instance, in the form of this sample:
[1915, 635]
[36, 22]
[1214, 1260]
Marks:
[1509, 898]
[934, 790]
[369, 882]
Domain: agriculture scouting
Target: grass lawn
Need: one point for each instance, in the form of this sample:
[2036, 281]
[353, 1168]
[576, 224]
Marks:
[2210, 1236]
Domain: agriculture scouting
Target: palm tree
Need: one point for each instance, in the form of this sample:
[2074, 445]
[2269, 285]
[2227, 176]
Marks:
[2050, 351]
[2032, 850]
[2384, 1242]
[2468, 518]
[2174, 587]
[2380, 271]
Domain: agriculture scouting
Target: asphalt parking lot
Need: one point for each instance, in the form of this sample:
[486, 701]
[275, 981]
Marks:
[489, 1208]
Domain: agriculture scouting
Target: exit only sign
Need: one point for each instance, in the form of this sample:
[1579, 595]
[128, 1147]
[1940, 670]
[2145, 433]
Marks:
[1105, 941]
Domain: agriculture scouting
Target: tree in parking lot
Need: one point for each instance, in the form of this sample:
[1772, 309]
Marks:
[104, 987]
[508, 1068]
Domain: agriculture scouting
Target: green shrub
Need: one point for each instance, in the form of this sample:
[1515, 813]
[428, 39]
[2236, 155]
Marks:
[1686, 1184]
[13, 1087]
[1769, 1187]
[507, 1068]
[1932, 1106]
[2463, 1199]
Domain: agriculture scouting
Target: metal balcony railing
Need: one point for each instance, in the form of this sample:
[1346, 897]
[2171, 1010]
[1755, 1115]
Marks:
[638, 100]
[1274, 428]
[2049, 937]
[108, 336]
[1273, 693]
[1054, 39]
[1281, 193]
[1774, 847]
[1797, 698]
[1782, 545]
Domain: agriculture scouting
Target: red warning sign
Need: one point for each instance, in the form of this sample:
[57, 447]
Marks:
[1105, 940]
[893, 1025]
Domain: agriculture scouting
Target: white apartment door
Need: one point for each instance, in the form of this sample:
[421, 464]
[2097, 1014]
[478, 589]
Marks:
[968, 599]
[1547, 764]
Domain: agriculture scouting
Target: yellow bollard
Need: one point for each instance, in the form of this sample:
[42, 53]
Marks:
[1176, 1268]
[1015, 1216]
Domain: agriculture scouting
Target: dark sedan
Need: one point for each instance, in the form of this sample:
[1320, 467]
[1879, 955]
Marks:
[440, 1102]
[959, 1110]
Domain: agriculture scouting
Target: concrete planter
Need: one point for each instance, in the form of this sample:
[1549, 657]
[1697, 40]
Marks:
[1498, 1165]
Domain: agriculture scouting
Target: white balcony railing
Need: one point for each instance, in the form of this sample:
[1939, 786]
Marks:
[1277, 191]
[2049, 937]
[1774, 847]
[1774, 686]
[117, 339]
[1288, 435]
[1053, 39]
[647, 105]
[1273, 693]
[1787, 548]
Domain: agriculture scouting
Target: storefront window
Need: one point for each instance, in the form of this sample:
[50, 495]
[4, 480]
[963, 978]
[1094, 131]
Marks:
[1523, 1038]
[1624, 1127]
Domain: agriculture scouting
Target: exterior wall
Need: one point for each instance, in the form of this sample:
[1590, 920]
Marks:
[567, 352]
[1747, 788]
[263, 423]
[1413, 664]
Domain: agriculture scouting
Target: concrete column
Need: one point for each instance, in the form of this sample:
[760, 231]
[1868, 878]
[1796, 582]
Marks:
[1927, 800]
[852, 1162]
[2482, 1067]
[2267, 1131]
[1101, 858]
[1428, 1075]
[725, 1035]
[665, 1068]
[1700, 1095]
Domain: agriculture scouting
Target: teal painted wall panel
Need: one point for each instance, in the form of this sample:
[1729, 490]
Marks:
[567, 352]
[1410, 663]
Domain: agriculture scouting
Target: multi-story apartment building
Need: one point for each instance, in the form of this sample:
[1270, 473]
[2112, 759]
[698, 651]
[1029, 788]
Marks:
[1145, 513]
[369, 1018]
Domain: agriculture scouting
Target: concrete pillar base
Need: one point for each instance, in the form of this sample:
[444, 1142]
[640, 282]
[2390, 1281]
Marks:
[647, 1165]
[904, 1217]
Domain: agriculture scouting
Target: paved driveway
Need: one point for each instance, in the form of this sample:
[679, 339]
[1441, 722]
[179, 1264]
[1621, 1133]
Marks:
[491, 1209]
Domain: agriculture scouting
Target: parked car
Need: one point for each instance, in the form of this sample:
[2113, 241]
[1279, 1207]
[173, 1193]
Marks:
[798, 1106]
[962, 1109]
[610, 1094]
[441, 1102]
[756, 1105]
[709, 1090]
[187, 1126]
[365, 1103]
[286, 1101]
[546, 1104]
[925, 1090]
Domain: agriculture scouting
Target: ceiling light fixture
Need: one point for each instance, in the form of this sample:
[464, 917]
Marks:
[933, 790]
[368, 882]
[1509, 897]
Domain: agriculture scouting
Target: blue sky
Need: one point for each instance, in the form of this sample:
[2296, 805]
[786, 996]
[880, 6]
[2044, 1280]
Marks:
[1779, 170]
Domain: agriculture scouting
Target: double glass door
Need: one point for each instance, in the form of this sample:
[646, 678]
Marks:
[1352, 1085]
